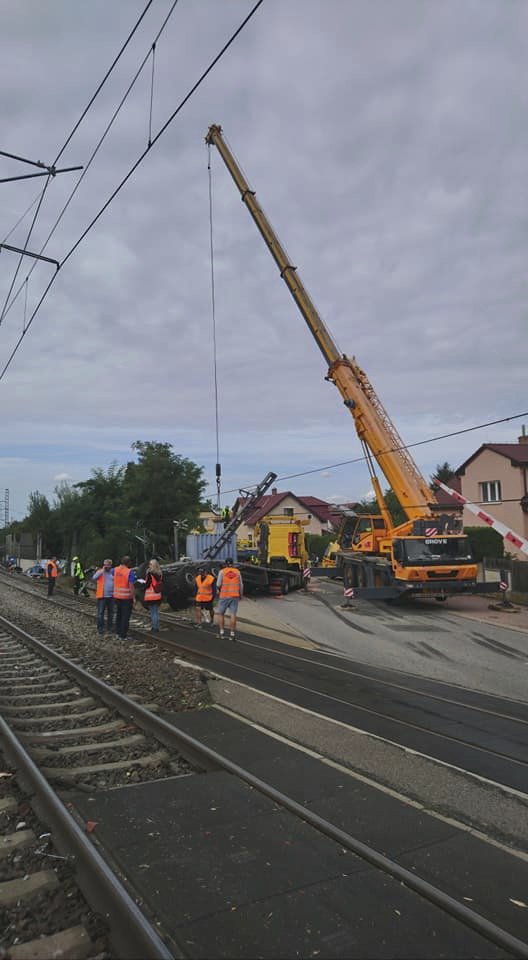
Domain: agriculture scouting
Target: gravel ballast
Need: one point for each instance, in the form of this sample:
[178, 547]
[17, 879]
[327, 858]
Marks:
[141, 669]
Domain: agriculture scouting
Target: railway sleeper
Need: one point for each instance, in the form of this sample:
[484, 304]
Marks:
[28, 683]
[27, 888]
[72, 773]
[95, 747]
[70, 691]
[51, 735]
[47, 707]
[63, 717]
[15, 841]
[71, 944]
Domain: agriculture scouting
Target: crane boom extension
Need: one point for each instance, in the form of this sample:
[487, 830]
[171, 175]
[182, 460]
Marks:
[373, 424]
[251, 497]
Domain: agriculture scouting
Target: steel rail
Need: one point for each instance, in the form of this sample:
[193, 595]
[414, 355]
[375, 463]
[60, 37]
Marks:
[172, 618]
[131, 933]
[170, 734]
[207, 655]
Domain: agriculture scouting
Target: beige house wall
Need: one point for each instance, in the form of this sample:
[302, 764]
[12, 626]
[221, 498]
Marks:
[489, 466]
[315, 525]
[210, 521]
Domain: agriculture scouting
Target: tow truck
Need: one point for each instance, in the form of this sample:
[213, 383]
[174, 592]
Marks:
[428, 554]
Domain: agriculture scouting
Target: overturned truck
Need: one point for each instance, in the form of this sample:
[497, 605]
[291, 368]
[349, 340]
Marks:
[279, 567]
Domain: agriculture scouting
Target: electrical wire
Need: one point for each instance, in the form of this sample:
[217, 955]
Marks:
[103, 81]
[96, 149]
[23, 216]
[126, 178]
[418, 443]
[63, 148]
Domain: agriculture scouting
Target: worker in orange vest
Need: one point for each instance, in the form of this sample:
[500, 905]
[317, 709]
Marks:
[203, 603]
[231, 589]
[51, 575]
[124, 597]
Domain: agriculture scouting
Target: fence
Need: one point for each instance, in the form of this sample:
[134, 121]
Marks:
[518, 570]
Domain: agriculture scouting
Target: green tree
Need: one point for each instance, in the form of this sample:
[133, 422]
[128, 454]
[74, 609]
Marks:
[63, 535]
[443, 471]
[393, 504]
[161, 487]
[39, 521]
[103, 515]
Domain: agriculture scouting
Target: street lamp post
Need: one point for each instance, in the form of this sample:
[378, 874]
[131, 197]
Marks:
[177, 525]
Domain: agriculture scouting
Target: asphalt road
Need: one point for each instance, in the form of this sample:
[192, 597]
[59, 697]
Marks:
[426, 638]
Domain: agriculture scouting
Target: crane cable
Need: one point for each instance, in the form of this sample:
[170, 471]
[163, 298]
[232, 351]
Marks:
[213, 310]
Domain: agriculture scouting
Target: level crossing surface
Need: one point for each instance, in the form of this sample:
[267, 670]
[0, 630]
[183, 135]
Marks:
[473, 731]
[229, 873]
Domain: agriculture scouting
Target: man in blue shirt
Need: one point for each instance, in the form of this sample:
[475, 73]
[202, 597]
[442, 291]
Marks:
[104, 593]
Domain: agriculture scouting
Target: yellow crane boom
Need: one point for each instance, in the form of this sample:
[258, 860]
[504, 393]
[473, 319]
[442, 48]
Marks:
[375, 429]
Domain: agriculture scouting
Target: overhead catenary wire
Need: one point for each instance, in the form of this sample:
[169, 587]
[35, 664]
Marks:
[97, 147]
[153, 49]
[127, 176]
[23, 216]
[63, 148]
[362, 459]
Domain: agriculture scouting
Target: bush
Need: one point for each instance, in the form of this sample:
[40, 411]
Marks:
[485, 542]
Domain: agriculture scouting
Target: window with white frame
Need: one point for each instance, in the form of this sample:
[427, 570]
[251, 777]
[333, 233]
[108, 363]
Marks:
[490, 491]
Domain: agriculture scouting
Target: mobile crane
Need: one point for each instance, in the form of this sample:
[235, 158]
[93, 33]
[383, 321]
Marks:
[427, 555]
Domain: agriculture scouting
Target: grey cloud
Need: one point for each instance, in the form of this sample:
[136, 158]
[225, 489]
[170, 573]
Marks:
[386, 142]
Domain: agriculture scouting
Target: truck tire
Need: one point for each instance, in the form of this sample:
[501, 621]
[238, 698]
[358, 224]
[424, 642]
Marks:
[285, 585]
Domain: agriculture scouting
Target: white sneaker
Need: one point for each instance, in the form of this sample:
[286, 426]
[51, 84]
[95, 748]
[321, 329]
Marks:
[221, 633]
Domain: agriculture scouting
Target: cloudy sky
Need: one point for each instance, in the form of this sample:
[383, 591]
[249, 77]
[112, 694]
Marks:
[387, 142]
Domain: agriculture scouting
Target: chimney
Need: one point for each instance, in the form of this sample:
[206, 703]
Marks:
[274, 489]
[524, 436]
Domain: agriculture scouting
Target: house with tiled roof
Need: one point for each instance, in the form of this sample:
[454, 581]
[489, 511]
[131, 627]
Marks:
[322, 517]
[496, 476]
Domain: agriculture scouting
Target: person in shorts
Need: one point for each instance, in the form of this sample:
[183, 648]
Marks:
[203, 602]
[230, 589]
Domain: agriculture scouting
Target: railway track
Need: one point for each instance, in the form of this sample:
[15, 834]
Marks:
[480, 733]
[30, 671]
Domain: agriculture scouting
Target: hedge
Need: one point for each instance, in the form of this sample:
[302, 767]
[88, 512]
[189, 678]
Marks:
[485, 542]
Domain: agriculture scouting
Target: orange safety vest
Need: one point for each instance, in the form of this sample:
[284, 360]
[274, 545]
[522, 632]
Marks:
[204, 588]
[122, 588]
[150, 593]
[54, 571]
[230, 583]
[99, 587]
